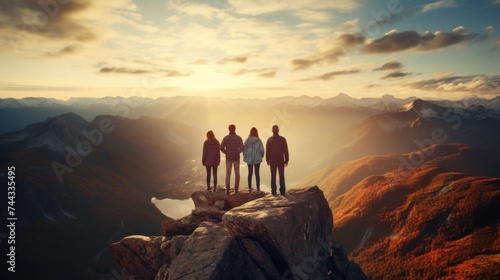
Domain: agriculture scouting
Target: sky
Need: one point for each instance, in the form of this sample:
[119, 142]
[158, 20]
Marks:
[444, 49]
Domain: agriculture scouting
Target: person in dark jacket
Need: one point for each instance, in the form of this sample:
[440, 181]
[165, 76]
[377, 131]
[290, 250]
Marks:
[277, 158]
[232, 146]
[211, 157]
[253, 152]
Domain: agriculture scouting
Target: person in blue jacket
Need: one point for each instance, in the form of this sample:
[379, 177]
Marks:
[253, 152]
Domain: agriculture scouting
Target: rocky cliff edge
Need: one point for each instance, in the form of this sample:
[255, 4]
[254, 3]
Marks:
[242, 236]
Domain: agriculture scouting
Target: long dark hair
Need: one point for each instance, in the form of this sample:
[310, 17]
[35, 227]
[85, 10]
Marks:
[210, 135]
[254, 132]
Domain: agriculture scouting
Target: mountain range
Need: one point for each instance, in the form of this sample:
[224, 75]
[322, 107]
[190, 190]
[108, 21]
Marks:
[418, 125]
[392, 171]
[431, 221]
[91, 182]
[21, 112]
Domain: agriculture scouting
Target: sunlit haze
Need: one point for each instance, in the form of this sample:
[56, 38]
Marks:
[249, 48]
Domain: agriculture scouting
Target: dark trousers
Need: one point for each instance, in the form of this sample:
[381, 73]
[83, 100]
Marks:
[281, 170]
[211, 169]
[251, 168]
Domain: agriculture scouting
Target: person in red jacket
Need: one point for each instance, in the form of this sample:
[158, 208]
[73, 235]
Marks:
[211, 157]
[232, 146]
[277, 158]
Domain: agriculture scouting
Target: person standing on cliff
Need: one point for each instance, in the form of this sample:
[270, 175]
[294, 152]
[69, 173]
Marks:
[211, 157]
[232, 146]
[252, 154]
[277, 158]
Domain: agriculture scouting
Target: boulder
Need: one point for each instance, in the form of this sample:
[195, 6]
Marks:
[172, 246]
[270, 237]
[186, 225]
[223, 201]
[182, 226]
[295, 229]
[212, 253]
[238, 199]
[139, 256]
[340, 266]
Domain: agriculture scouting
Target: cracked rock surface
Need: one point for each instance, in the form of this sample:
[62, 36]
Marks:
[257, 236]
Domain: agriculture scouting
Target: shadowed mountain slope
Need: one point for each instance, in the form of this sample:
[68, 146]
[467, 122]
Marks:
[433, 220]
[81, 185]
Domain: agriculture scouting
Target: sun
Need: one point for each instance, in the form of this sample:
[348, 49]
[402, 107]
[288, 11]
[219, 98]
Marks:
[209, 79]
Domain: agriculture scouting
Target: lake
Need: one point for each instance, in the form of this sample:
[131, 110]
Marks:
[174, 208]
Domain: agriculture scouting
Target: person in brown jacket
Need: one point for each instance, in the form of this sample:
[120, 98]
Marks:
[211, 157]
[277, 158]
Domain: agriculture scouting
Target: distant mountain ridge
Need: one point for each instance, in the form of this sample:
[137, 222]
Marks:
[22, 112]
[350, 127]
[417, 125]
[385, 102]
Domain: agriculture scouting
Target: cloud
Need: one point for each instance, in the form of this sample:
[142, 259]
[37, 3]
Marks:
[442, 4]
[391, 65]
[350, 25]
[370, 86]
[237, 59]
[36, 27]
[269, 74]
[132, 71]
[335, 49]
[123, 70]
[200, 61]
[475, 84]
[331, 75]
[68, 50]
[394, 41]
[496, 47]
[397, 74]
[313, 15]
[48, 19]
[261, 72]
[259, 7]
[195, 9]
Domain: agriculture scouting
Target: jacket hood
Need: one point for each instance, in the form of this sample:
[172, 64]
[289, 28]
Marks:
[253, 139]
